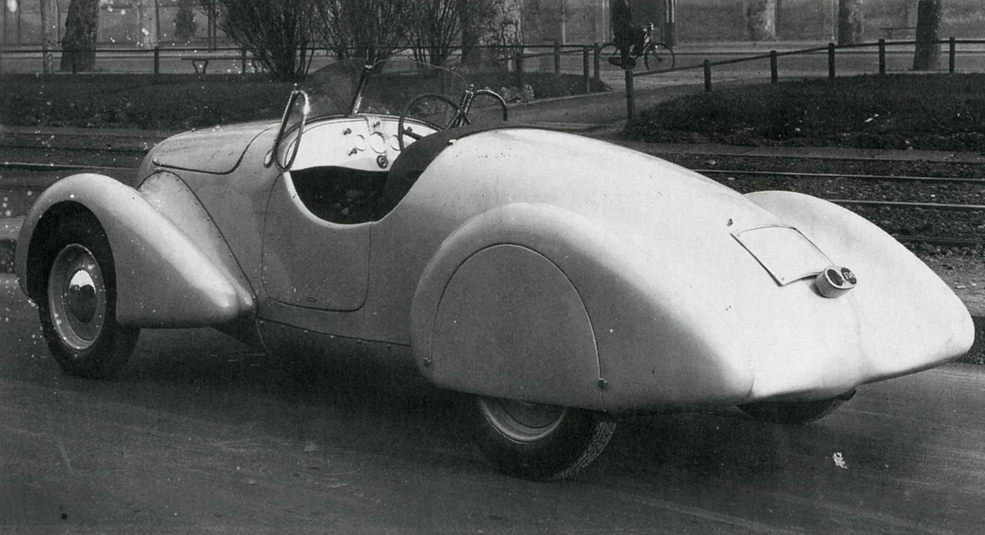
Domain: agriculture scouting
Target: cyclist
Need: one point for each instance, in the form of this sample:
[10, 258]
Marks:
[629, 38]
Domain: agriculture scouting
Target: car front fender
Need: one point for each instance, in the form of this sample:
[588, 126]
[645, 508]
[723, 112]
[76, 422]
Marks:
[173, 267]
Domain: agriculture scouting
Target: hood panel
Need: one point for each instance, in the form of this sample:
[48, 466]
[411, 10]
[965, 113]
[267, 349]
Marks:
[216, 150]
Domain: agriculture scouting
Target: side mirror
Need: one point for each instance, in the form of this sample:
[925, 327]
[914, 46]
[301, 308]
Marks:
[291, 151]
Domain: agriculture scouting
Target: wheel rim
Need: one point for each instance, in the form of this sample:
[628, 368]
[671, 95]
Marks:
[521, 421]
[77, 297]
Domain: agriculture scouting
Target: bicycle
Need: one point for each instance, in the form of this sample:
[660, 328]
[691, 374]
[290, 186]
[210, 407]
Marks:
[437, 105]
[657, 56]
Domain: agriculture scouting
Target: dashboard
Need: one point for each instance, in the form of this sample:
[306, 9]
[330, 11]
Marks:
[361, 142]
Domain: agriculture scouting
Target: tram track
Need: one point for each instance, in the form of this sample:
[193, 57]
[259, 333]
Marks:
[897, 193]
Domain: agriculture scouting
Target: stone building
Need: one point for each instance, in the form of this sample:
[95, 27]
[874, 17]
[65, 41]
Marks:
[587, 21]
[147, 22]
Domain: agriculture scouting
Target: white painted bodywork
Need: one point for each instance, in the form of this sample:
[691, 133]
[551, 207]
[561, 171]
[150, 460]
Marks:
[559, 269]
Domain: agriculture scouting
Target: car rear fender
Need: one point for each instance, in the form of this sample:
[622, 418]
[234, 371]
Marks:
[908, 318]
[534, 302]
[173, 267]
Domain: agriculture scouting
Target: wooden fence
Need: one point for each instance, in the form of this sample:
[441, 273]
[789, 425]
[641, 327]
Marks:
[773, 57]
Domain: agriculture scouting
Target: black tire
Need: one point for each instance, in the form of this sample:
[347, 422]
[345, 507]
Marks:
[539, 442]
[794, 412]
[659, 57]
[78, 304]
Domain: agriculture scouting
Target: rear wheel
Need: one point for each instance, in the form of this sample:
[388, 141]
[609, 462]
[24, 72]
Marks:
[794, 412]
[659, 57]
[78, 308]
[539, 442]
[610, 54]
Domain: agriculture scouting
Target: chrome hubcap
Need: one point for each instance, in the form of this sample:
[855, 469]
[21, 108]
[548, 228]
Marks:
[521, 421]
[77, 297]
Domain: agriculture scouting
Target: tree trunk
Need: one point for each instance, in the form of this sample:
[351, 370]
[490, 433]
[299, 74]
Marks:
[850, 22]
[761, 20]
[147, 21]
[496, 26]
[184, 21]
[49, 33]
[49, 22]
[79, 43]
[928, 52]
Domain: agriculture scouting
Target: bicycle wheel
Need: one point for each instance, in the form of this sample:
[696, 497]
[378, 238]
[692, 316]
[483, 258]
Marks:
[659, 57]
[610, 57]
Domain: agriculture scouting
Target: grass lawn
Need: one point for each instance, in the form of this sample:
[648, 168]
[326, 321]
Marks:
[175, 102]
[941, 112]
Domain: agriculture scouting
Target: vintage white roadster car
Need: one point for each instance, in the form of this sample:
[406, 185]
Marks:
[560, 280]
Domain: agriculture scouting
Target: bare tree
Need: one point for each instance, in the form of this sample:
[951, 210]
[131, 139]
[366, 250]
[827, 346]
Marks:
[435, 26]
[489, 33]
[761, 20]
[850, 22]
[280, 33]
[370, 29]
[79, 41]
[928, 52]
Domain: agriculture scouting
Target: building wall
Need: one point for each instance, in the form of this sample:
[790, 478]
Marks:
[586, 21]
[119, 22]
[567, 21]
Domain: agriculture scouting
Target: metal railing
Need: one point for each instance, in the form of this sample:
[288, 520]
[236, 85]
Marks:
[517, 58]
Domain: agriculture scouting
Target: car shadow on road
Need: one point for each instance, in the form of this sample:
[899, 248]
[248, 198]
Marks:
[391, 410]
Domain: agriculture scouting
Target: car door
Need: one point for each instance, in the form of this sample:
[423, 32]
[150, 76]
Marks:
[310, 261]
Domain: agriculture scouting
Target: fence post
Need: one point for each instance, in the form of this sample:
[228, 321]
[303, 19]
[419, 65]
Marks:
[44, 57]
[831, 61]
[518, 62]
[557, 58]
[584, 69]
[157, 60]
[774, 71]
[951, 53]
[882, 56]
[630, 95]
[243, 57]
[707, 76]
[598, 64]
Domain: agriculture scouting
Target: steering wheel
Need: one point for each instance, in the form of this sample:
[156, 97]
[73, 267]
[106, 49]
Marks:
[402, 131]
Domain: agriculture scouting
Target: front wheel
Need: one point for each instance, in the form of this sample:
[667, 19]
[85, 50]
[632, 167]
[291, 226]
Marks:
[794, 412]
[539, 442]
[659, 57]
[78, 309]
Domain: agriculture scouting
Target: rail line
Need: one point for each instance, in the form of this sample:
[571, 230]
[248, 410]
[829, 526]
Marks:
[113, 150]
[874, 178]
[34, 166]
[939, 241]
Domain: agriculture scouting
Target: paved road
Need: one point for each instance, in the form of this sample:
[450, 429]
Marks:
[204, 434]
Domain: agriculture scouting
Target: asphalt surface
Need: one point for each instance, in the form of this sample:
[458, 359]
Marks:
[202, 434]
